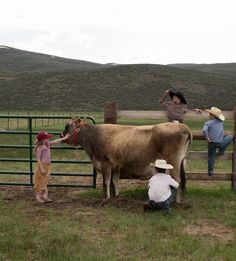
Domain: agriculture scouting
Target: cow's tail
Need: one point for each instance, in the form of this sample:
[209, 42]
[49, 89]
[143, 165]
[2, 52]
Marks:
[182, 176]
[183, 162]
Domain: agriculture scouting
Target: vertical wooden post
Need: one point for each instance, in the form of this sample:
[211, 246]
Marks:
[110, 116]
[110, 112]
[234, 155]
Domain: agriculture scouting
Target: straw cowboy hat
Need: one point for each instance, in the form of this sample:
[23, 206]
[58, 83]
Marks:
[216, 113]
[161, 164]
[179, 95]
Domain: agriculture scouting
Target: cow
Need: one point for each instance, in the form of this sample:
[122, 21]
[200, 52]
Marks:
[126, 151]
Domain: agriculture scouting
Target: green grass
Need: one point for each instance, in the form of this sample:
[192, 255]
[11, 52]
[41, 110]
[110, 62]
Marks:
[77, 227]
[67, 230]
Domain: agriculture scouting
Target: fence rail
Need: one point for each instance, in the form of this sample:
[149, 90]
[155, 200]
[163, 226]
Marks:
[161, 114]
[29, 132]
[111, 114]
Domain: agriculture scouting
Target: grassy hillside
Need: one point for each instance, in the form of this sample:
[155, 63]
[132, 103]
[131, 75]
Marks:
[218, 68]
[18, 61]
[136, 87]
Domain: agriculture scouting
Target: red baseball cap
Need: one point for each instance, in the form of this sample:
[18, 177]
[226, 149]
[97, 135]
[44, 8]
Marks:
[42, 135]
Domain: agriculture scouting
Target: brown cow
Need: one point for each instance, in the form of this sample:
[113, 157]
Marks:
[127, 151]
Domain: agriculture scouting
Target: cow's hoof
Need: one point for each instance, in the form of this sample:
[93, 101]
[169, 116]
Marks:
[104, 201]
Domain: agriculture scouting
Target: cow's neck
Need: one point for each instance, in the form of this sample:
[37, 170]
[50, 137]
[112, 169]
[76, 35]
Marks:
[88, 137]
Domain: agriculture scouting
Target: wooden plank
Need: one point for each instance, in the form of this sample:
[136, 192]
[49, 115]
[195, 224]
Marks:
[204, 176]
[110, 112]
[234, 171]
[204, 115]
[233, 185]
[194, 176]
[161, 114]
[198, 155]
[141, 114]
[197, 135]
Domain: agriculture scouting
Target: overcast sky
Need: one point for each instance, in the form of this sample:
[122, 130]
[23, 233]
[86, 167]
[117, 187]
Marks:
[123, 31]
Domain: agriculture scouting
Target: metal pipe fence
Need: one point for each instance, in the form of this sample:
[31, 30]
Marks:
[29, 129]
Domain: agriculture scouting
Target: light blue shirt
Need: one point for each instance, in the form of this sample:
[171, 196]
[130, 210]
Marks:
[214, 130]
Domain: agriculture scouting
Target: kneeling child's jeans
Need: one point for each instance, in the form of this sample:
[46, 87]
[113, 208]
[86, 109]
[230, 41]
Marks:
[165, 205]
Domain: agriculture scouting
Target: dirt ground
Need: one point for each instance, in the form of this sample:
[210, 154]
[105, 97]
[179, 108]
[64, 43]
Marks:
[70, 199]
[210, 229]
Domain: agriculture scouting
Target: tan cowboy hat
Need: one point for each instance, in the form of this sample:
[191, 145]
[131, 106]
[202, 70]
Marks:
[216, 112]
[161, 164]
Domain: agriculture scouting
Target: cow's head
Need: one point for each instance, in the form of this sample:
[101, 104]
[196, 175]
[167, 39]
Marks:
[73, 128]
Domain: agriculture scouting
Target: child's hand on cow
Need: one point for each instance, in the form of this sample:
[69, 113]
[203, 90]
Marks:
[66, 137]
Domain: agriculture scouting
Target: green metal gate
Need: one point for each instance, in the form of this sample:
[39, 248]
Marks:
[30, 128]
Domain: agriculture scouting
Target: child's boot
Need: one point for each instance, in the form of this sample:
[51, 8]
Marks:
[45, 196]
[39, 197]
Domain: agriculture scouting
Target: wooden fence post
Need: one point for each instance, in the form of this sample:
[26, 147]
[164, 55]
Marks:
[110, 112]
[110, 116]
[234, 155]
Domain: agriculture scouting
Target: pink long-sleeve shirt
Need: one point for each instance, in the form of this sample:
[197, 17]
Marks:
[43, 153]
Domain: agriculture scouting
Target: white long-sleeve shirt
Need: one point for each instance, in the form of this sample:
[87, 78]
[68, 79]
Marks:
[159, 187]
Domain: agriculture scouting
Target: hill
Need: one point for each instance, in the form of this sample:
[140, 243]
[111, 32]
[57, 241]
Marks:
[18, 61]
[218, 68]
[134, 87]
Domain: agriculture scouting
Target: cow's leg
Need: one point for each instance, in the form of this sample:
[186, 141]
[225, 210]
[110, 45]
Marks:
[175, 173]
[115, 180]
[112, 186]
[106, 173]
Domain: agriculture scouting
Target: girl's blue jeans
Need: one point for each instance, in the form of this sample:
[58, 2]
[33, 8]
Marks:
[221, 146]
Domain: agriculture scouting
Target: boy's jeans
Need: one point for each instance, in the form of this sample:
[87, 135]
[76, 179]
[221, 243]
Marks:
[165, 205]
[221, 146]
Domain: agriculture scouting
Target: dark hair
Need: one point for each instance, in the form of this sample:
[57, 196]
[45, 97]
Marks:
[179, 95]
[159, 170]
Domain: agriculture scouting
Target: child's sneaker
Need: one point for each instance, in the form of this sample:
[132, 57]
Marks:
[45, 197]
[39, 198]
[48, 200]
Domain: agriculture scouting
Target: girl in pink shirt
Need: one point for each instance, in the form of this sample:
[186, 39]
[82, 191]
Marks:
[43, 168]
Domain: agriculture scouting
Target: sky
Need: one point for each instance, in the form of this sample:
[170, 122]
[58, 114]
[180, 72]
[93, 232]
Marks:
[123, 31]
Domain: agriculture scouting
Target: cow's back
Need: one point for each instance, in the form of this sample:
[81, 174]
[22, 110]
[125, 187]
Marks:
[167, 141]
[133, 148]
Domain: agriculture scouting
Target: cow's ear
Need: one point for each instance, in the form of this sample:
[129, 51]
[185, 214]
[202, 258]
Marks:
[83, 121]
[77, 121]
[72, 120]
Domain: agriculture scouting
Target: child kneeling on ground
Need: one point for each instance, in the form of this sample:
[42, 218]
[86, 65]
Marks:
[162, 188]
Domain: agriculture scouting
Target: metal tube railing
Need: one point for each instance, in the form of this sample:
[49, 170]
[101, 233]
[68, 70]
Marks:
[30, 133]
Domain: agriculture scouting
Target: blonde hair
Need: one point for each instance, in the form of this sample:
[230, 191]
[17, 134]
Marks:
[37, 143]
